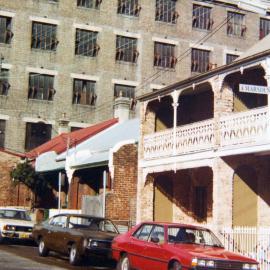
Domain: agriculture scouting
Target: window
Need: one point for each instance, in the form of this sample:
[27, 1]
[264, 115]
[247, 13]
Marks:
[165, 11]
[124, 91]
[41, 86]
[84, 92]
[201, 17]
[264, 27]
[164, 55]
[230, 58]
[4, 84]
[5, 30]
[2, 133]
[143, 232]
[126, 49]
[44, 36]
[86, 43]
[37, 134]
[200, 202]
[129, 7]
[157, 233]
[200, 60]
[59, 221]
[236, 25]
[75, 128]
[89, 3]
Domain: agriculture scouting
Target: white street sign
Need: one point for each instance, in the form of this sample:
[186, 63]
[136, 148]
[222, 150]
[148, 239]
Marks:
[256, 89]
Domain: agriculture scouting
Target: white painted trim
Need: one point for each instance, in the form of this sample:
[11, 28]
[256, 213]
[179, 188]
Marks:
[165, 40]
[42, 71]
[78, 124]
[127, 34]
[37, 120]
[6, 66]
[156, 86]
[44, 20]
[201, 47]
[201, 3]
[87, 27]
[84, 77]
[125, 82]
[7, 13]
[4, 117]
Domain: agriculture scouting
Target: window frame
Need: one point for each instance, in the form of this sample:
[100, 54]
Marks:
[196, 60]
[4, 83]
[202, 17]
[44, 36]
[129, 8]
[262, 30]
[129, 91]
[3, 124]
[230, 58]
[236, 26]
[91, 4]
[167, 8]
[164, 55]
[126, 49]
[6, 33]
[90, 95]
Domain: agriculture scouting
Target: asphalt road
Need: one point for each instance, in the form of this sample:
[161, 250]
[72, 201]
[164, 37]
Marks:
[20, 256]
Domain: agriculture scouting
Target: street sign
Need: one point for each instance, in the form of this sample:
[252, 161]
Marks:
[256, 89]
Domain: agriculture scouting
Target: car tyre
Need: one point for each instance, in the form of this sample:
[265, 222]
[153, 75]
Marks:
[123, 264]
[176, 266]
[74, 256]
[42, 249]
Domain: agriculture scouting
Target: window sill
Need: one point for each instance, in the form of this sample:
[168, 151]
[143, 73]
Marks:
[40, 101]
[3, 96]
[42, 51]
[166, 23]
[121, 62]
[85, 56]
[87, 8]
[201, 30]
[165, 68]
[236, 36]
[86, 106]
[133, 17]
[6, 45]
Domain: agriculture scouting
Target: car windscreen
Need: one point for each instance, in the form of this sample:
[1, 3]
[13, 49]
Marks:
[90, 223]
[192, 236]
[14, 214]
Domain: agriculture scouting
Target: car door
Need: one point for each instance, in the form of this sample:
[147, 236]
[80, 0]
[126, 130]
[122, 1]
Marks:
[137, 245]
[56, 233]
[154, 251]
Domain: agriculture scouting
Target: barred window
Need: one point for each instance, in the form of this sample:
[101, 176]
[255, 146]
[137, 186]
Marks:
[200, 202]
[124, 91]
[165, 11]
[2, 133]
[37, 134]
[201, 17]
[230, 58]
[44, 36]
[41, 87]
[236, 24]
[264, 27]
[5, 30]
[86, 43]
[126, 49]
[89, 3]
[4, 84]
[164, 55]
[200, 60]
[84, 92]
[129, 7]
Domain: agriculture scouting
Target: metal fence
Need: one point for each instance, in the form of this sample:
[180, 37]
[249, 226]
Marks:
[249, 241]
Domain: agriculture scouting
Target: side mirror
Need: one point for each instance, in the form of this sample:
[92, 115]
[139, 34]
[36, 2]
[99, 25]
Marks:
[155, 240]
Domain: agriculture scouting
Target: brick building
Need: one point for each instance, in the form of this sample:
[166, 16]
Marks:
[11, 194]
[204, 146]
[73, 57]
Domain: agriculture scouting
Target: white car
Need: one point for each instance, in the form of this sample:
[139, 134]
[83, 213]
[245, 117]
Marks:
[15, 223]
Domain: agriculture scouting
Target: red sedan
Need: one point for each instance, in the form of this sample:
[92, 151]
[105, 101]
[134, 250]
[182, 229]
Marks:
[169, 246]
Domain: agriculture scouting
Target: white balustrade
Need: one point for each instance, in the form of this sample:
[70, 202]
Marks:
[234, 129]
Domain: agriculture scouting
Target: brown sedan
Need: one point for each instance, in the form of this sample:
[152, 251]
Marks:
[75, 235]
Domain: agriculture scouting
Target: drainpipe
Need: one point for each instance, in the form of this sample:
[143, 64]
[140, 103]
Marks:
[104, 193]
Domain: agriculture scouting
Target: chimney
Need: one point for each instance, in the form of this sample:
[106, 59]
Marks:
[63, 124]
[121, 108]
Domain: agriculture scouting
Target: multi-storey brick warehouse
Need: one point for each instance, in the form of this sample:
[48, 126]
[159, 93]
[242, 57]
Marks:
[72, 58]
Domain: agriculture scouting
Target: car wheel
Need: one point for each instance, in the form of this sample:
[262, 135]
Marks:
[176, 266]
[42, 249]
[74, 256]
[123, 263]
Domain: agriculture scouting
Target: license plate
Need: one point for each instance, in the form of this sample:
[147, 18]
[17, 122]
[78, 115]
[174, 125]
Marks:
[24, 235]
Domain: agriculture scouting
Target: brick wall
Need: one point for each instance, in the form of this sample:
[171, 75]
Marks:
[11, 195]
[121, 200]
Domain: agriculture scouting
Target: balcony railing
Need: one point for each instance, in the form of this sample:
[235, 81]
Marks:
[243, 129]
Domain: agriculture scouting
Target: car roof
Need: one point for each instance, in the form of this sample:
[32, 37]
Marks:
[13, 208]
[79, 215]
[169, 224]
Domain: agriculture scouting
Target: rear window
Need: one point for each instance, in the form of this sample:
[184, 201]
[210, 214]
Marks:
[14, 214]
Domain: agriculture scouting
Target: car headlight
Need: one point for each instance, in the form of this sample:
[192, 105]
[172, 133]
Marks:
[202, 263]
[9, 228]
[94, 243]
[248, 266]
